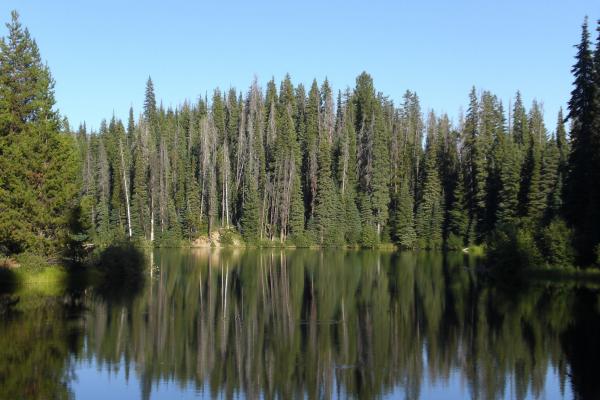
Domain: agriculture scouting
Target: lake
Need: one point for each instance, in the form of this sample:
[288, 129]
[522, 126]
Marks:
[305, 324]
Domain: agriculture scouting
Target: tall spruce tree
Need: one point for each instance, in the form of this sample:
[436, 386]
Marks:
[405, 233]
[325, 214]
[580, 189]
[39, 164]
[429, 215]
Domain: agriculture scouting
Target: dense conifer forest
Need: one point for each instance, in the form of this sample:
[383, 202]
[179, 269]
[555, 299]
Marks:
[285, 163]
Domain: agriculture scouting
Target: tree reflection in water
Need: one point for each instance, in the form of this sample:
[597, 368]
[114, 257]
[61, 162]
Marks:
[317, 324]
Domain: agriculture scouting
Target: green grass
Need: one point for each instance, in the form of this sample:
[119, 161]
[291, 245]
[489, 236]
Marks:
[48, 281]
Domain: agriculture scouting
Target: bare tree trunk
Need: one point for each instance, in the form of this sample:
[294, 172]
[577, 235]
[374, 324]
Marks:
[151, 218]
[126, 188]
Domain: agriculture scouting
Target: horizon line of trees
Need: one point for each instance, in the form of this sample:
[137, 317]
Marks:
[285, 164]
[305, 166]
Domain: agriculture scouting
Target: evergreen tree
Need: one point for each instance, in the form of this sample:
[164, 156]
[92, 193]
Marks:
[326, 197]
[346, 169]
[476, 171]
[39, 165]
[508, 161]
[373, 165]
[520, 124]
[250, 212]
[429, 215]
[405, 221]
[311, 149]
[580, 189]
[532, 197]
[458, 219]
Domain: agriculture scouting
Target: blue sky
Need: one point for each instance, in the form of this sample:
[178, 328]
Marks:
[101, 53]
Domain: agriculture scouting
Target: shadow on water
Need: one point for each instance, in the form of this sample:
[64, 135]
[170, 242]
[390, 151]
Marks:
[310, 324]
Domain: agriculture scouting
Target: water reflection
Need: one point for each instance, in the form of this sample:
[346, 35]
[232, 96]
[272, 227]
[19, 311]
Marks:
[314, 324]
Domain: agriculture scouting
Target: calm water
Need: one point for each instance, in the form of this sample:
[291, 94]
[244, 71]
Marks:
[305, 324]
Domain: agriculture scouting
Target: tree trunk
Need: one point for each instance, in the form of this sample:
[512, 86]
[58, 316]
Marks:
[126, 189]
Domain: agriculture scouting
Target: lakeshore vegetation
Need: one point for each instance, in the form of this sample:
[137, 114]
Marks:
[301, 165]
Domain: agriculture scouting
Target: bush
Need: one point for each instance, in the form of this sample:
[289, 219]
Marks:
[229, 237]
[301, 240]
[169, 240]
[513, 250]
[368, 237]
[120, 272]
[121, 262]
[555, 244]
[31, 262]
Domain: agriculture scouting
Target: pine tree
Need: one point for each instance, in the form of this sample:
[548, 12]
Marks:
[476, 171]
[373, 163]
[326, 197]
[346, 169]
[381, 171]
[149, 101]
[311, 149]
[405, 222]
[429, 215]
[519, 130]
[250, 217]
[559, 155]
[458, 219]
[550, 184]
[532, 197]
[508, 161]
[39, 165]
[579, 205]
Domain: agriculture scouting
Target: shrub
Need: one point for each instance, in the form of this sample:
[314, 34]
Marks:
[169, 239]
[555, 244]
[368, 237]
[301, 239]
[513, 250]
[32, 262]
[120, 272]
[121, 262]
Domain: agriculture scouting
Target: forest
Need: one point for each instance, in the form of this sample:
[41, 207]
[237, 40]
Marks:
[302, 166]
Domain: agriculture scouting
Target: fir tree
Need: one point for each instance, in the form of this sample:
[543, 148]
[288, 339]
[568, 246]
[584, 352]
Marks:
[579, 206]
[39, 165]
[429, 215]
[405, 222]
[325, 202]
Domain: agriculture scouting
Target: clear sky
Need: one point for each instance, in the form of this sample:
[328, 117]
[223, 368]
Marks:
[101, 52]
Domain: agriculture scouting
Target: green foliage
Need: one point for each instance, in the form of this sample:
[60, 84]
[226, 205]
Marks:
[582, 192]
[229, 237]
[302, 239]
[556, 244]
[77, 236]
[513, 251]
[286, 166]
[429, 215]
[405, 233]
[39, 165]
[455, 242]
[31, 262]
[369, 237]
[325, 221]
[120, 262]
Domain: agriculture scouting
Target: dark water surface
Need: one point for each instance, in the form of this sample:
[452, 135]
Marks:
[306, 324]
